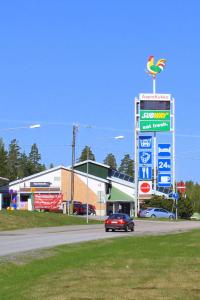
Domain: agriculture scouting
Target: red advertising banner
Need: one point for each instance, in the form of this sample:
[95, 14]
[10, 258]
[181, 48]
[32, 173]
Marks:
[48, 201]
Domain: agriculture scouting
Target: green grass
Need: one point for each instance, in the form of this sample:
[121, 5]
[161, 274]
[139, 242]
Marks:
[24, 219]
[151, 267]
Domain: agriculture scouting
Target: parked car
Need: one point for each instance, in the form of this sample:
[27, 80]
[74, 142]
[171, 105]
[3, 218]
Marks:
[119, 221]
[78, 208]
[91, 209]
[154, 212]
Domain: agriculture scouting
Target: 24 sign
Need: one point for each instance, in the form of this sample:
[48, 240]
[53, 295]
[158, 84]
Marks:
[164, 164]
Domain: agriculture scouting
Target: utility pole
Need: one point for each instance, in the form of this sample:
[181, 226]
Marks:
[74, 132]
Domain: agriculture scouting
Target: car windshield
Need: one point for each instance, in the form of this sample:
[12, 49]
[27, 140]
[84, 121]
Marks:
[117, 216]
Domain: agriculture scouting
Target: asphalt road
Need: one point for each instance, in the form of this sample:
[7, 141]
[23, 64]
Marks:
[30, 239]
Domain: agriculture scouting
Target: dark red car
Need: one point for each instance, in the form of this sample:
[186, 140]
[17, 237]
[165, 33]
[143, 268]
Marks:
[78, 208]
[119, 222]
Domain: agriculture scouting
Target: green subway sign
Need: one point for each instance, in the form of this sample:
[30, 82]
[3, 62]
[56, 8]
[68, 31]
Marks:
[154, 115]
[154, 120]
[154, 125]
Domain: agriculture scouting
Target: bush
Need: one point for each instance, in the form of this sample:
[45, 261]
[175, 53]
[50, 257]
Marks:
[185, 208]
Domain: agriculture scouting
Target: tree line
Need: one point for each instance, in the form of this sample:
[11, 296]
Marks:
[126, 165]
[15, 164]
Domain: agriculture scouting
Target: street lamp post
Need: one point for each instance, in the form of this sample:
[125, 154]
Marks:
[87, 187]
[21, 127]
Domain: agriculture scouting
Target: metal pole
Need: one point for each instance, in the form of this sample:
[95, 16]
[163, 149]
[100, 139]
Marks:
[154, 143]
[87, 189]
[154, 85]
[136, 158]
[173, 154]
[100, 204]
[154, 165]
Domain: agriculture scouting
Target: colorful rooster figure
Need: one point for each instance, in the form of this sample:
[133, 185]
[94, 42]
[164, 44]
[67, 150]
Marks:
[155, 69]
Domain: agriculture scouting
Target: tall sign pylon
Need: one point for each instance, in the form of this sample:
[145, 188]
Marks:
[154, 162]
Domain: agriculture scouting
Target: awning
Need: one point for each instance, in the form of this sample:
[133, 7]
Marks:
[117, 195]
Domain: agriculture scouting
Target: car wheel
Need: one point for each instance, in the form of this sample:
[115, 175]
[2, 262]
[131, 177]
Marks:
[132, 228]
[153, 216]
[171, 217]
[106, 229]
[126, 228]
[113, 230]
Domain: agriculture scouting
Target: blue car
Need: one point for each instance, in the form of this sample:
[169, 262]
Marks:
[154, 212]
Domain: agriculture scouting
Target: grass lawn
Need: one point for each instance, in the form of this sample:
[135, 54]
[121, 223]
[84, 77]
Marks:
[16, 219]
[151, 267]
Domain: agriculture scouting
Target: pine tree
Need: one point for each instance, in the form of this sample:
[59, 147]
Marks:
[34, 158]
[24, 166]
[3, 160]
[13, 160]
[110, 160]
[86, 154]
[127, 165]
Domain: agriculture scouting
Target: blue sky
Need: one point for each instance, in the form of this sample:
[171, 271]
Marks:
[65, 62]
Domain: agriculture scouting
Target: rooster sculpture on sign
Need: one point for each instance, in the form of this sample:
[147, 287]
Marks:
[154, 69]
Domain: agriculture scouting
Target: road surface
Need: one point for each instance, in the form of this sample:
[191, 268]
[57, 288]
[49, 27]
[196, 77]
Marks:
[30, 239]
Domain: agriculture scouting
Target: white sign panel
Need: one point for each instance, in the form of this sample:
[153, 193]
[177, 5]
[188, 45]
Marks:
[158, 97]
[145, 187]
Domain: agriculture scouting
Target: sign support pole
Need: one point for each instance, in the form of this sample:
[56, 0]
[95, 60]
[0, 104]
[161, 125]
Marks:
[137, 203]
[173, 154]
[154, 143]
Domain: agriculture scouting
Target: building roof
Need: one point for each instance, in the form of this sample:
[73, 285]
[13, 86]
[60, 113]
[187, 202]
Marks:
[38, 174]
[117, 195]
[3, 181]
[92, 162]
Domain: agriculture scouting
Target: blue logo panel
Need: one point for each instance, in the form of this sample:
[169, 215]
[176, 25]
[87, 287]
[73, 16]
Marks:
[145, 142]
[145, 173]
[145, 157]
[164, 164]
[164, 180]
[164, 149]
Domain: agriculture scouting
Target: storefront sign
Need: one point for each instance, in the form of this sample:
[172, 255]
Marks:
[40, 184]
[155, 112]
[147, 115]
[48, 201]
[154, 120]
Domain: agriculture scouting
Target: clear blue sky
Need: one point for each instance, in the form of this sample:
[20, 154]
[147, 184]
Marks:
[84, 61]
